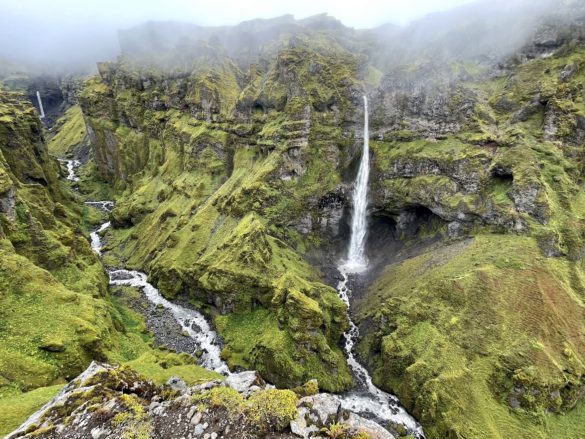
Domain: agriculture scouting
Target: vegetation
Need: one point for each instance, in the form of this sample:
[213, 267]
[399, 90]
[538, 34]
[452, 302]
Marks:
[69, 131]
[267, 410]
[483, 336]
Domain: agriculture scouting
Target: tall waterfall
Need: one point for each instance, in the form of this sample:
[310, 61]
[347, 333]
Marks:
[356, 259]
[367, 399]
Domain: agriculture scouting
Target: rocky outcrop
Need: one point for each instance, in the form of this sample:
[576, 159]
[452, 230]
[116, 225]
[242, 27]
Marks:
[323, 413]
[111, 402]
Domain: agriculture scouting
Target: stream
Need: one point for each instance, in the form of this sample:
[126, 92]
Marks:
[366, 400]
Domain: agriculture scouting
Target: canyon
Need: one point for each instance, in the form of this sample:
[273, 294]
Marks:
[289, 227]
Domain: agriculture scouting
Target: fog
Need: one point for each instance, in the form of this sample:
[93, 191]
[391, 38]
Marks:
[68, 35]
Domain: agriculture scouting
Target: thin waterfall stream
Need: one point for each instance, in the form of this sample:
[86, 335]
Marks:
[367, 400]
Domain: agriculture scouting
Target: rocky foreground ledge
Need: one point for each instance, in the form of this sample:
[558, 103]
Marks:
[107, 402]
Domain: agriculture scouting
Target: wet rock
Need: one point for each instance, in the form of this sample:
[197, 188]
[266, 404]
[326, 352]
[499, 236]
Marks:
[320, 411]
[199, 429]
[99, 433]
[568, 72]
[196, 419]
[356, 424]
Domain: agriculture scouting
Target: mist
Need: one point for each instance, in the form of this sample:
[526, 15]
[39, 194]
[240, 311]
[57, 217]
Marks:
[60, 35]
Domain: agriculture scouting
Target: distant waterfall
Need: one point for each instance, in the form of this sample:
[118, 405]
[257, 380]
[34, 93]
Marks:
[41, 109]
[356, 259]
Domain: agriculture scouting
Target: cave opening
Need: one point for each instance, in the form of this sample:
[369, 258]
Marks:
[257, 109]
[502, 175]
[395, 235]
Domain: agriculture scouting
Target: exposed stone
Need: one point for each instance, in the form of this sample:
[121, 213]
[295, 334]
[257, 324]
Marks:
[244, 381]
[178, 384]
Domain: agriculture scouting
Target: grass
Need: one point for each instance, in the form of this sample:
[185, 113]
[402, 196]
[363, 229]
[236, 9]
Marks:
[161, 367]
[255, 340]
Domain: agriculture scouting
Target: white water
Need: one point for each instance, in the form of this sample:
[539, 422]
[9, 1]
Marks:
[190, 320]
[369, 400]
[71, 166]
[356, 258]
[106, 206]
[96, 241]
[41, 109]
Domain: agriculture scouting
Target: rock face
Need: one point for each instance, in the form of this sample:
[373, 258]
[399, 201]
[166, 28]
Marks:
[111, 402]
[317, 412]
[508, 176]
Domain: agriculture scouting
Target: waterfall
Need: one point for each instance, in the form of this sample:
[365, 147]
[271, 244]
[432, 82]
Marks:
[42, 111]
[367, 400]
[356, 259]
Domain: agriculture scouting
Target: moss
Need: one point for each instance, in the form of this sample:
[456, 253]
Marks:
[271, 409]
[255, 340]
[310, 388]
[266, 410]
[160, 367]
[222, 397]
[440, 336]
[16, 408]
[134, 421]
[76, 322]
[69, 131]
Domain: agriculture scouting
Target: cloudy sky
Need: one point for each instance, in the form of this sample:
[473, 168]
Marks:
[365, 13]
[56, 30]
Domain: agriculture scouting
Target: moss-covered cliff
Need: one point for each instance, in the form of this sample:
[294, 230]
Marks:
[56, 314]
[482, 336]
[214, 167]
[54, 320]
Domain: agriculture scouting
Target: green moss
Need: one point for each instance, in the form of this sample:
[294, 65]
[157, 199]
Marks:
[16, 408]
[69, 131]
[271, 409]
[222, 397]
[267, 410]
[159, 367]
[134, 420]
[77, 323]
[466, 328]
[255, 340]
